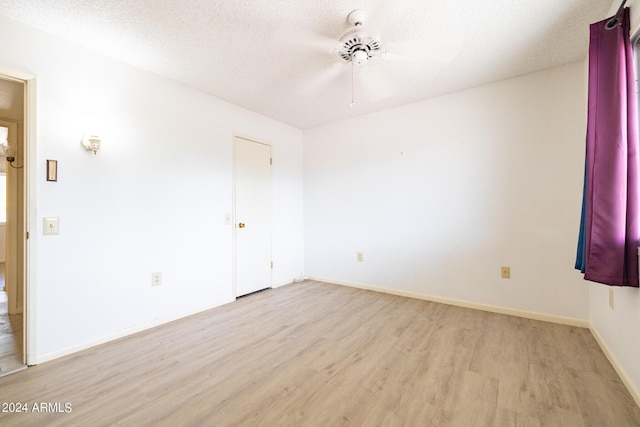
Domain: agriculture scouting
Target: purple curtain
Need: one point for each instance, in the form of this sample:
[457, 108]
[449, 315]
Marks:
[609, 229]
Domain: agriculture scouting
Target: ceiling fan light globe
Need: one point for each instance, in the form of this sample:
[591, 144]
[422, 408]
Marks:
[360, 57]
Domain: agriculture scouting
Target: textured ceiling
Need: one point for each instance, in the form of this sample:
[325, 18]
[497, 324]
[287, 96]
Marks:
[245, 51]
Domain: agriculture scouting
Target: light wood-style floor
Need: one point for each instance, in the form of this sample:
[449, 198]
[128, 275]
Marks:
[314, 354]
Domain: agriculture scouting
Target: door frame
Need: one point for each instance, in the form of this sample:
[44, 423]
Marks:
[12, 227]
[233, 205]
[30, 220]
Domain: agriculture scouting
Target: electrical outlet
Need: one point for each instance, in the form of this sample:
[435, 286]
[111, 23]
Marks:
[506, 272]
[611, 305]
[156, 279]
[360, 257]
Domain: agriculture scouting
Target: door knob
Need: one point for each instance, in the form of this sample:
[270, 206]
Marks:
[241, 225]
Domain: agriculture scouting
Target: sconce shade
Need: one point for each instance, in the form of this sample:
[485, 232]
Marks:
[8, 152]
[92, 143]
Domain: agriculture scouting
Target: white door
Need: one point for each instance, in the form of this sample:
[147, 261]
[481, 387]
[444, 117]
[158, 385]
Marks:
[252, 216]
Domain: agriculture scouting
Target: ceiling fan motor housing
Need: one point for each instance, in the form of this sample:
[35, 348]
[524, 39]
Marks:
[356, 40]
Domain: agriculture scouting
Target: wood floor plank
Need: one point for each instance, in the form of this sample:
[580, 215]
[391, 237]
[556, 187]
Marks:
[317, 354]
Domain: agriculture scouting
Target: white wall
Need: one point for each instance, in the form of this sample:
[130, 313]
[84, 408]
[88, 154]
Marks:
[618, 329]
[439, 194]
[153, 199]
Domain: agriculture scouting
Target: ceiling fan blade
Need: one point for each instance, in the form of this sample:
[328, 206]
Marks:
[322, 79]
[440, 49]
[375, 83]
[304, 39]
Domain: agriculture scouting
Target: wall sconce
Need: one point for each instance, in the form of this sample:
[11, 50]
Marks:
[92, 143]
[10, 154]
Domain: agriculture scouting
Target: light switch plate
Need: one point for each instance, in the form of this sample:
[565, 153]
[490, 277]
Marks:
[50, 226]
[505, 272]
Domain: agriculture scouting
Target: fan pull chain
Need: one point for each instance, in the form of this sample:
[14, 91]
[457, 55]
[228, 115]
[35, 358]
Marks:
[352, 101]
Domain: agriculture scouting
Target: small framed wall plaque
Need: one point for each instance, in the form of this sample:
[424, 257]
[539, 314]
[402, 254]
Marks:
[52, 170]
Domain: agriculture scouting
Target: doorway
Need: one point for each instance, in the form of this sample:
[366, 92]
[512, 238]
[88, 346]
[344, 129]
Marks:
[252, 213]
[12, 226]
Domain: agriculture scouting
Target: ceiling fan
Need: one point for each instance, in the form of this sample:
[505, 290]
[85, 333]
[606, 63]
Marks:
[362, 52]
[357, 44]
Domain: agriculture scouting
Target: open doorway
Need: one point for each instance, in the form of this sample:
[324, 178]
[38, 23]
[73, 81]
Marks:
[12, 226]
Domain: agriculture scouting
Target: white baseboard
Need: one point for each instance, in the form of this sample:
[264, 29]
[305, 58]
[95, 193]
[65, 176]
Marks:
[616, 365]
[123, 333]
[467, 304]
